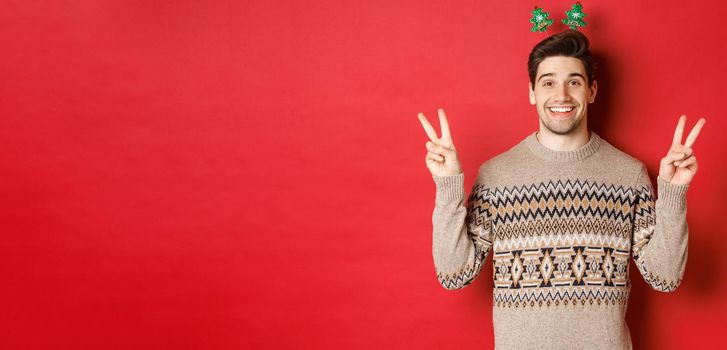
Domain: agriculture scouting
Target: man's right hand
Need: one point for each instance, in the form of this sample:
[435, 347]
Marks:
[441, 156]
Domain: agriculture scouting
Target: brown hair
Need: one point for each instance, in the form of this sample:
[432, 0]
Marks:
[570, 43]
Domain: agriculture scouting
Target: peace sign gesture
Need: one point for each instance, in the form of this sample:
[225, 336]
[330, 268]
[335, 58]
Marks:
[679, 165]
[441, 157]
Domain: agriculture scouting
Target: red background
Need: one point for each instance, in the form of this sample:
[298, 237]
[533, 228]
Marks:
[225, 174]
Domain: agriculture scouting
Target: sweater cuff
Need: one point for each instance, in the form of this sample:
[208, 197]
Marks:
[671, 195]
[450, 187]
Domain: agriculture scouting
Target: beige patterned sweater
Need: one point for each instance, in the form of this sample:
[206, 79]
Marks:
[561, 228]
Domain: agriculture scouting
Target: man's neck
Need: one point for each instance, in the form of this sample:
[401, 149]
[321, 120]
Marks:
[568, 142]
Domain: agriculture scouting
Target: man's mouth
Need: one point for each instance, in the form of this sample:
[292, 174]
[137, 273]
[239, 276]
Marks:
[561, 111]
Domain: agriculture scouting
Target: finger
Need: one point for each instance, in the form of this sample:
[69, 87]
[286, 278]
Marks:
[434, 157]
[444, 124]
[694, 133]
[428, 127]
[686, 156]
[441, 150]
[431, 145]
[434, 148]
[689, 161]
[679, 130]
[685, 151]
[673, 156]
[681, 149]
[445, 151]
[693, 167]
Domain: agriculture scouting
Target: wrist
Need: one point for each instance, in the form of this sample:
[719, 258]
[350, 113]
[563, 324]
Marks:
[671, 195]
[449, 187]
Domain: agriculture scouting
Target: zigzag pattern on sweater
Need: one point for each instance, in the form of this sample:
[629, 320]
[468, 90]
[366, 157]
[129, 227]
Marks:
[658, 283]
[644, 218]
[556, 296]
[569, 198]
[466, 275]
[563, 227]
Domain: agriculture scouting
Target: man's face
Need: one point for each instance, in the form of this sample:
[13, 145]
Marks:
[561, 94]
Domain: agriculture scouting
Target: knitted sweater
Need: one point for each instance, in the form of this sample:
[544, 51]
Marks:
[562, 227]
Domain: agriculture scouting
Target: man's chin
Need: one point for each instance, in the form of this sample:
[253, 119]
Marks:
[561, 128]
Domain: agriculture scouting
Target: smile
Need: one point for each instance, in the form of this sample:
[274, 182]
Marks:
[561, 109]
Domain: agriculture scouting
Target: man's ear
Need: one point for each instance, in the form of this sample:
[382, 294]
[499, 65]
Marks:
[594, 89]
[532, 94]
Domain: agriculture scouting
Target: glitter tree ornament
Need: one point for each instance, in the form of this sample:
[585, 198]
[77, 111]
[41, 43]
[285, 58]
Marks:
[575, 16]
[540, 20]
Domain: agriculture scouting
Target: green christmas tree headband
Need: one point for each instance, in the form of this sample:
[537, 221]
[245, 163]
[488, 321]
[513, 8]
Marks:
[541, 19]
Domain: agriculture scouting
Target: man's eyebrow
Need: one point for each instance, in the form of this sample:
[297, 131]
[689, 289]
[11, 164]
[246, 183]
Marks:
[546, 75]
[569, 75]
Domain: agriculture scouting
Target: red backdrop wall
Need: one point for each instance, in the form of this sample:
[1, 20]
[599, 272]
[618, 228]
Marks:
[226, 174]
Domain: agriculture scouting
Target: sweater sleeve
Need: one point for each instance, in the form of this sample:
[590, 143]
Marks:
[462, 236]
[659, 240]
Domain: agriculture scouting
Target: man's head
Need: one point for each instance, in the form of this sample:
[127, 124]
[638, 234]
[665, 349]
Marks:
[561, 81]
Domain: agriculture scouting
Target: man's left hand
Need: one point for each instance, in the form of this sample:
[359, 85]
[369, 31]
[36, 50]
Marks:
[680, 165]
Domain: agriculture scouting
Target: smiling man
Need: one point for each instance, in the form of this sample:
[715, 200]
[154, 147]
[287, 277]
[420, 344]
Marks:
[563, 213]
[562, 107]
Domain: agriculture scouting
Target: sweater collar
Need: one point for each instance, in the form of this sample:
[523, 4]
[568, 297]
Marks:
[580, 153]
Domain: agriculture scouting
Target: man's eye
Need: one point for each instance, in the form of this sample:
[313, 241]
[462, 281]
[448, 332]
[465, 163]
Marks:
[575, 82]
[548, 83]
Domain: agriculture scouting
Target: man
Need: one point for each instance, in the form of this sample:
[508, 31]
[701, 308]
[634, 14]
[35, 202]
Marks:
[563, 212]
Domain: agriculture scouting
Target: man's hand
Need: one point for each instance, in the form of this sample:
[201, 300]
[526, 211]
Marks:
[441, 157]
[679, 165]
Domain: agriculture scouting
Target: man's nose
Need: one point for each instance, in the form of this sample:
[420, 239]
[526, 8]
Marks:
[561, 93]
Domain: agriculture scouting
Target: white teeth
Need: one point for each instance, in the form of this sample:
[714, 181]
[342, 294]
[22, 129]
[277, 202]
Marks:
[561, 109]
